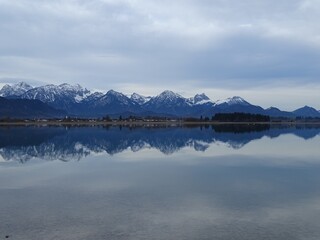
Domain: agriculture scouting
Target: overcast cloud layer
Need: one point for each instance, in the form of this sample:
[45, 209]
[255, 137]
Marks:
[267, 51]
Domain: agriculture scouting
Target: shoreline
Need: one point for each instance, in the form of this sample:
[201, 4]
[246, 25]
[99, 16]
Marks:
[147, 123]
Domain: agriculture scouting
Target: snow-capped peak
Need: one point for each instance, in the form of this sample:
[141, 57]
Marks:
[139, 98]
[92, 97]
[168, 95]
[62, 93]
[112, 96]
[74, 88]
[22, 85]
[68, 87]
[200, 99]
[80, 92]
[15, 90]
[236, 100]
[115, 95]
[112, 92]
[5, 91]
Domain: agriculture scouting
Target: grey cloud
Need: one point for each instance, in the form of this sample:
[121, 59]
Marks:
[105, 43]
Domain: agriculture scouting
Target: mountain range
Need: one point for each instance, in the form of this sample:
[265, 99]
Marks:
[74, 100]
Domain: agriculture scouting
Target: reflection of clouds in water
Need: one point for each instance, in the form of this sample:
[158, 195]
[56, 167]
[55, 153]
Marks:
[115, 199]
[128, 189]
[1, 158]
[150, 207]
[201, 220]
[285, 149]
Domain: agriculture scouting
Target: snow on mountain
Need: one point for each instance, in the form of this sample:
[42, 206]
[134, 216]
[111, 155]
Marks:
[114, 103]
[79, 92]
[139, 98]
[236, 104]
[52, 93]
[200, 99]
[92, 98]
[168, 98]
[113, 96]
[79, 101]
[64, 96]
[15, 90]
[170, 103]
[236, 100]
[68, 87]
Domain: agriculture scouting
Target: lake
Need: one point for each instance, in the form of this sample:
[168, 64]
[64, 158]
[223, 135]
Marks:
[160, 182]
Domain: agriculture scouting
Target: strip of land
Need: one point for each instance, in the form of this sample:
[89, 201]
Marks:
[144, 123]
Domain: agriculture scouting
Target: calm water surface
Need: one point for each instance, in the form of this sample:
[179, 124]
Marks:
[220, 182]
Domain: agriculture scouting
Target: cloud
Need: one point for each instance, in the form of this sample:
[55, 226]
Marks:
[221, 44]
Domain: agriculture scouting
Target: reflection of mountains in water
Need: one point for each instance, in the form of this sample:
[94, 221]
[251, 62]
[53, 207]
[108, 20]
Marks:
[51, 143]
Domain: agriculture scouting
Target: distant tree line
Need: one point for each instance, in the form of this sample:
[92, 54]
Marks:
[240, 128]
[240, 117]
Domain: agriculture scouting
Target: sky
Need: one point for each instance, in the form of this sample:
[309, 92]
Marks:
[266, 51]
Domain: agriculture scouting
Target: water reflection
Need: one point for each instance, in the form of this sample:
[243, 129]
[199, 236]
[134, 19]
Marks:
[75, 143]
[214, 182]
